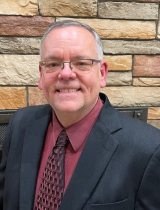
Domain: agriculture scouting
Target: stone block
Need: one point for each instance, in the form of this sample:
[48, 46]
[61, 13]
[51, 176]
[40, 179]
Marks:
[19, 69]
[147, 1]
[19, 45]
[119, 62]
[22, 7]
[154, 113]
[119, 10]
[24, 26]
[156, 1]
[143, 81]
[12, 97]
[146, 66]
[119, 78]
[36, 96]
[155, 123]
[68, 8]
[116, 29]
[133, 96]
[158, 32]
[131, 47]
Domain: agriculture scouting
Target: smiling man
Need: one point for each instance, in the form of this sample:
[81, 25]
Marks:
[72, 71]
[77, 152]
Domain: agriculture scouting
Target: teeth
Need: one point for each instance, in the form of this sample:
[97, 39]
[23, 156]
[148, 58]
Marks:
[67, 90]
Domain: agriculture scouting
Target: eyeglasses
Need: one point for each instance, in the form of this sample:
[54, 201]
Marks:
[80, 65]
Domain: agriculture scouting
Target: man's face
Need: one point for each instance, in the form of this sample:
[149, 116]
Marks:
[65, 90]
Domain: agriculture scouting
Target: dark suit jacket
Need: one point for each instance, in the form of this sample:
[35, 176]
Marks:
[119, 168]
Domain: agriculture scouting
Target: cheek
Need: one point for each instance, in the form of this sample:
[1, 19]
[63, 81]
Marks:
[96, 80]
[92, 82]
[47, 81]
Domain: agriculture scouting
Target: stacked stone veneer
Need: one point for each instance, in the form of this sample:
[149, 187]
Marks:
[131, 36]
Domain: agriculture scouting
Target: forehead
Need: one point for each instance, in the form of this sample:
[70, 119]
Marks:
[70, 34]
[69, 39]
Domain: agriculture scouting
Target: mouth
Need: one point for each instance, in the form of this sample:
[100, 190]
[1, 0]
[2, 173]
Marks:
[68, 90]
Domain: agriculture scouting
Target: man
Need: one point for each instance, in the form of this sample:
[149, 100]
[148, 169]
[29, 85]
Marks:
[111, 161]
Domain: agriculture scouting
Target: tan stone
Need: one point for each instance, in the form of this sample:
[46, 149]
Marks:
[147, 1]
[19, 7]
[36, 96]
[119, 10]
[155, 123]
[119, 62]
[154, 113]
[146, 81]
[24, 26]
[12, 97]
[158, 33]
[109, 29]
[19, 69]
[133, 96]
[136, 0]
[68, 7]
[131, 47]
[18, 45]
[119, 78]
[146, 65]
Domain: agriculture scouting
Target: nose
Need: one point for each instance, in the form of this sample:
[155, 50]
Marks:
[66, 72]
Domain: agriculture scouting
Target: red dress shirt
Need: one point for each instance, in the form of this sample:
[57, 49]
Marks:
[77, 134]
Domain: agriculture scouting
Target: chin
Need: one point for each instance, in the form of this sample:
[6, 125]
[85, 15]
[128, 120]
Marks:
[69, 108]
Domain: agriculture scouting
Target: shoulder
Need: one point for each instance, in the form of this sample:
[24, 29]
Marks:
[137, 136]
[29, 113]
[132, 134]
[130, 127]
[137, 127]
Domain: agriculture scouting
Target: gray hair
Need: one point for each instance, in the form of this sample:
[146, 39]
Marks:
[65, 23]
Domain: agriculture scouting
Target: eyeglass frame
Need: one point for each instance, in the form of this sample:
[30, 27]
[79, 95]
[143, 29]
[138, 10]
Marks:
[43, 63]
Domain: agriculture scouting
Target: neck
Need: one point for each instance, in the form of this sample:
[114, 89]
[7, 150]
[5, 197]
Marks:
[67, 119]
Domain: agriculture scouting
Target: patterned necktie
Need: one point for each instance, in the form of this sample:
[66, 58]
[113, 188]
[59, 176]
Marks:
[52, 186]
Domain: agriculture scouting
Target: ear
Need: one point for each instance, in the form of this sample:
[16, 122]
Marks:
[104, 73]
[40, 83]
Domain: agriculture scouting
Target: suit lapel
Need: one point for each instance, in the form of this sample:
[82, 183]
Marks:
[33, 144]
[97, 153]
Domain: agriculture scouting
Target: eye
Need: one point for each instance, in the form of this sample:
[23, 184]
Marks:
[81, 63]
[53, 64]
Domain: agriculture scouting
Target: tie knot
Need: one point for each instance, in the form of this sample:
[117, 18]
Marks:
[62, 139]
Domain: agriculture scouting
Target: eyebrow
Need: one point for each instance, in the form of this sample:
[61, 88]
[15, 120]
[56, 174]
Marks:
[74, 58]
[52, 58]
[81, 57]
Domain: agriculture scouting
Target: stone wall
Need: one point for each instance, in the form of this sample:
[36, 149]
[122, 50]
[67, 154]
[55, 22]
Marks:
[131, 36]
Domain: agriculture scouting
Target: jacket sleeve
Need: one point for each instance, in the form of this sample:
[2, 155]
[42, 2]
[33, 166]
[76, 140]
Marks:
[3, 162]
[148, 197]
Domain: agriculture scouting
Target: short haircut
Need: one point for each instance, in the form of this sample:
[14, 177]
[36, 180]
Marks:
[69, 22]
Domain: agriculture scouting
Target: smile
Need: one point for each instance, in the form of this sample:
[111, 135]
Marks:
[70, 90]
